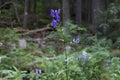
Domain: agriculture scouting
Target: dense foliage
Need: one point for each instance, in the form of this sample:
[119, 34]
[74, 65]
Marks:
[87, 58]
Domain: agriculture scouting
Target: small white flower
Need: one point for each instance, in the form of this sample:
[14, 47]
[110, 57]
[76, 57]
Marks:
[68, 48]
[22, 43]
[1, 43]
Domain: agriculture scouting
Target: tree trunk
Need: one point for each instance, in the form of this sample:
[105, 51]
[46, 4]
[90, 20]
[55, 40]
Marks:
[2, 2]
[89, 11]
[97, 10]
[34, 6]
[29, 5]
[106, 3]
[78, 11]
[26, 9]
[66, 11]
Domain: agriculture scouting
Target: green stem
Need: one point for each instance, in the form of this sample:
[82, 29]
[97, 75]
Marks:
[66, 66]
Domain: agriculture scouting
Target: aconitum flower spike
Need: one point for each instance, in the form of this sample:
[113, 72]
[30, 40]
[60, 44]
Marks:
[52, 13]
[56, 17]
[54, 23]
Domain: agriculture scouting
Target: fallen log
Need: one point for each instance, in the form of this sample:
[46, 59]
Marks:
[38, 30]
[27, 32]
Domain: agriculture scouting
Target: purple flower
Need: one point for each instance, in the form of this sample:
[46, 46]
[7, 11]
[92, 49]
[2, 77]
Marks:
[57, 17]
[84, 56]
[54, 23]
[52, 13]
[58, 11]
[38, 71]
[76, 40]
